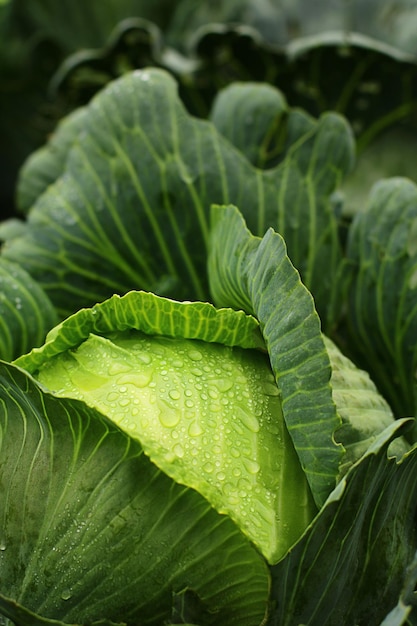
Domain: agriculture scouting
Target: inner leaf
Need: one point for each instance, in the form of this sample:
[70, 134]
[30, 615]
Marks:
[208, 415]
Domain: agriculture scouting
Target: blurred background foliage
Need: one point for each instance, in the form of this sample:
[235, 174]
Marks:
[354, 56]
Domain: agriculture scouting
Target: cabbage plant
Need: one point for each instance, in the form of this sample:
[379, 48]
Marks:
[188, 445]
[153, 435]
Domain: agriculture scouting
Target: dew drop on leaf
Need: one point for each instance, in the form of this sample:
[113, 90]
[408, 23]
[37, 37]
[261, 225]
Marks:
[169, 418]
[252, 466]
[270, 389]
[208, 467]
[174, 394]
[195, 355]
[179, 450]
[137, 379]
[195, 429]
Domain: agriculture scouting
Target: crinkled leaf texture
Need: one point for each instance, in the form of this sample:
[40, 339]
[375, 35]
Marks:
[130, 208]
[256, 275]
[152, 315]
[206, 412]
[91, 530]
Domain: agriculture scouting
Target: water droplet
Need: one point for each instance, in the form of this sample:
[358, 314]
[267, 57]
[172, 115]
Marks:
[208, 467]
[169, 418]
[220, 476]
[195, 371]
[235, 453]
[66, 594]
[252, 466]
[145, 358]
[138, 379]
[223, 384]
[213, 393]
[195, 355]
[2, 545]
[228, 489]
[174, 394]
[195, 429]
[112, 396]
[270, 389]
[189, 404]
[179, 450]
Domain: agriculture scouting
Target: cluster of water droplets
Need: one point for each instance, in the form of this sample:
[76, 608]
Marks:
[206, 414]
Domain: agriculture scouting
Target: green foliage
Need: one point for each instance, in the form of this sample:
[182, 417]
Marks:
[74, 487]
[130, 206]
[164, 460]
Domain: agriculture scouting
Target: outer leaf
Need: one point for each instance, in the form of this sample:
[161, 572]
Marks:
[349, 567]
[91, 529]
[277, 22]
[152, 315]
[131, 209]
[44, 166]
[26, 313]
[257, 275]
[382, 314]
[257, 120]
[374, 85]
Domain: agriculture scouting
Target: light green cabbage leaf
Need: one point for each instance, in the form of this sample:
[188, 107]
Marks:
[207, 412]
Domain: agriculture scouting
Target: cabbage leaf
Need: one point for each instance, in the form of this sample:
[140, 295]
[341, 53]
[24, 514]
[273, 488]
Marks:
[92, 530]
